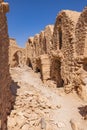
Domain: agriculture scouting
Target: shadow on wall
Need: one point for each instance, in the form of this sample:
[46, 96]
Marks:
[10, 104]
[8, 89]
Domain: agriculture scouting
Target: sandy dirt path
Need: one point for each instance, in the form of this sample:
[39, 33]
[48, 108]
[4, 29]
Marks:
[38, 106]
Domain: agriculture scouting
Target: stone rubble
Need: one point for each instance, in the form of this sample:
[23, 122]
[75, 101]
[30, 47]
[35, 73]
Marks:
[6, 98]
[35, 107]
[31, 109]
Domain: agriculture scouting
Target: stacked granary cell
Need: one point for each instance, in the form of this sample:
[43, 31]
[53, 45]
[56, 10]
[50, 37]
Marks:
[41, 42]
[62, 48]
[48, 35]
[38, 50]
[5, 92]
[63, 43]
[81, 55]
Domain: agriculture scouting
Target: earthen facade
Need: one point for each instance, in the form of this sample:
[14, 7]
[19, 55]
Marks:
[81, 55]
[65, 45]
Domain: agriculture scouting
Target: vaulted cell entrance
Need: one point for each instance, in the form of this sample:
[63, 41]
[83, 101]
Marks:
[29, 63]
[16, 59]
[56, 72]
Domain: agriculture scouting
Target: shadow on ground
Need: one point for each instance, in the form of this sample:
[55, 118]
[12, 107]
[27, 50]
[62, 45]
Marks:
[10, 104]
[83, 111]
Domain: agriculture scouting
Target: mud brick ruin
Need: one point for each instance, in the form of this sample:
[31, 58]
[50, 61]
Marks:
[5, 93]
[59, 53]
[81, 54]
[16, 54]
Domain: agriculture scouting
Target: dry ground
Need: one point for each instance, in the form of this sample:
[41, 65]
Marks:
[38, 106]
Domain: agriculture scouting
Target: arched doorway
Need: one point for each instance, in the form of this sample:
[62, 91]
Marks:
[29, 63]
[56, 72]
[17, 59]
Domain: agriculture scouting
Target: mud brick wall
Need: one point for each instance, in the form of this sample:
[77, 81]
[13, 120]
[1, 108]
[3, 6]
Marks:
[5, 92]
[17, 55]
[64, 44]
[36, 45]
[42, 42]
[64, 40]
[81, 55]
[36, 48]
[81, 34]
[48, 35]
[31, 53]
[30, 48]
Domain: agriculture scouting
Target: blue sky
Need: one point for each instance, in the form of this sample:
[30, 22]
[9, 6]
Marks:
[28, 17]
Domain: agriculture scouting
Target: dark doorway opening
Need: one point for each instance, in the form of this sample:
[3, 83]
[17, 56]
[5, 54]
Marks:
[61, 84]
[29, 63]
[56, 73]
[15, 59]
[85, 66]
[37, 70]
[60, 81]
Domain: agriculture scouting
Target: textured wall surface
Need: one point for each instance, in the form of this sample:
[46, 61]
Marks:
[63, 42]
[81, 55]
[31, 53]
[42, 42]
[5, 93]
[48, 35]
[38, 49]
